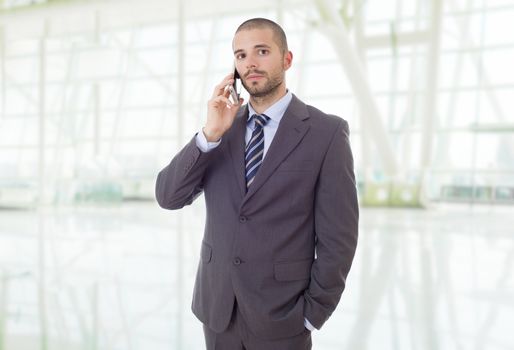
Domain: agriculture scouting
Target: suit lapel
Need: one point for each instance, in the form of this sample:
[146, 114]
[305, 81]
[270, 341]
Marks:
[290, 131]
[236, 147]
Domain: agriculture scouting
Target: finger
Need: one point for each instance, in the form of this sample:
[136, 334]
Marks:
[226, 91]
[219, 89]
[221, 101]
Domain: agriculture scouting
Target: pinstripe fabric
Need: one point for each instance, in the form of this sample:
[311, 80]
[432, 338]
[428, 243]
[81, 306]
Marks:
[255, 148]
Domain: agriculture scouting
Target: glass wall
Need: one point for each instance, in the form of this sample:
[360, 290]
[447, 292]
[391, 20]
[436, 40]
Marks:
[93, 114]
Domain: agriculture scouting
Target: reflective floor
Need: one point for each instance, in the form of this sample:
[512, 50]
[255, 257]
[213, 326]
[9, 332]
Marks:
[121, 277]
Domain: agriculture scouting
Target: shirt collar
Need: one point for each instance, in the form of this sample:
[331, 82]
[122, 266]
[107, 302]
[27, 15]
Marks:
[276, 111]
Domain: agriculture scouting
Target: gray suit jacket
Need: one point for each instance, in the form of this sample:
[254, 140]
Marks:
[284, 248]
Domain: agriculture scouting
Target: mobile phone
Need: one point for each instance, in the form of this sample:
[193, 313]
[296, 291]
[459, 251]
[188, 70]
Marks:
[233, 88]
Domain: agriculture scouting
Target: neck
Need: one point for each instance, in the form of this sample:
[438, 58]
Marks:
[261, 103]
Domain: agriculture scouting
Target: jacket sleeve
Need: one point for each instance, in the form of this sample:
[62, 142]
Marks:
[336, 216]
[180, 182]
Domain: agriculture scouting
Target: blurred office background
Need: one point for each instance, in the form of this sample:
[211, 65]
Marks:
[96, 96]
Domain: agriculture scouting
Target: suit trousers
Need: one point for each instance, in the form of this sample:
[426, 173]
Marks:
[238, 336]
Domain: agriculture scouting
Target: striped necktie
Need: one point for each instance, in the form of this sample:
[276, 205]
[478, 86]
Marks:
[255, 148]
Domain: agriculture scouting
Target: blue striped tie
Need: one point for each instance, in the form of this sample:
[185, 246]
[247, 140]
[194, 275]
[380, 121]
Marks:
[255, 148]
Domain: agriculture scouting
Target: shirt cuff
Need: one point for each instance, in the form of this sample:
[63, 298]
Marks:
[308, 325]
[203, 144]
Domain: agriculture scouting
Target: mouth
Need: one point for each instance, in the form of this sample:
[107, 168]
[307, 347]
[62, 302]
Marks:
[254, 77]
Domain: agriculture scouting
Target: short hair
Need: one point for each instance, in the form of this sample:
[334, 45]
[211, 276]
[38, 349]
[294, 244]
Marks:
[261, 23]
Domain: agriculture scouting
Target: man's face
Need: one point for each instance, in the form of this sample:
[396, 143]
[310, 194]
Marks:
[260, 62]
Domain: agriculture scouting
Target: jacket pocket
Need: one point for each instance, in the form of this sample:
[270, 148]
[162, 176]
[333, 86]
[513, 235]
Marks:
[293, 270]
[206, 253]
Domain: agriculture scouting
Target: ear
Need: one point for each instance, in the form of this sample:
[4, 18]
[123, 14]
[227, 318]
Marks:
[288, 60]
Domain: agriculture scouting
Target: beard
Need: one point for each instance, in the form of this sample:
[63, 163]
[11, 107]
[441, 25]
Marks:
[270, 86]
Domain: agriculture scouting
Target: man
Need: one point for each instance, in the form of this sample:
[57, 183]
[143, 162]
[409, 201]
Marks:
[282, 213]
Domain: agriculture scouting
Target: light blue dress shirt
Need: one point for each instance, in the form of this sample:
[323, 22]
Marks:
[275, 112]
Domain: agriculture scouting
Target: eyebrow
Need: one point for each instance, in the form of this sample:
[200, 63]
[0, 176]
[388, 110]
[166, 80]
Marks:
[258, 46]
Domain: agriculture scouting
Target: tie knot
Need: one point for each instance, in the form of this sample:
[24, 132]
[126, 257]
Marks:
[260, 119]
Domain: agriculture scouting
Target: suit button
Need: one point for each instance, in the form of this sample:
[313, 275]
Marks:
[237, 261]
[242, 219]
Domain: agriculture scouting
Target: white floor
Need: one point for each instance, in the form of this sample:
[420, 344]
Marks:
[121, 277]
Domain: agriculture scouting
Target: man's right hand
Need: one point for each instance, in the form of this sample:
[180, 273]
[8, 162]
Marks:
[220, 111]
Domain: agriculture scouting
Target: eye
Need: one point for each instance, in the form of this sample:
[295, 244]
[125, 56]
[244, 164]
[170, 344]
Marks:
[240, 56]
[262, 52]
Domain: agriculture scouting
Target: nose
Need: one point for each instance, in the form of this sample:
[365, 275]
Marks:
[250, 63]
